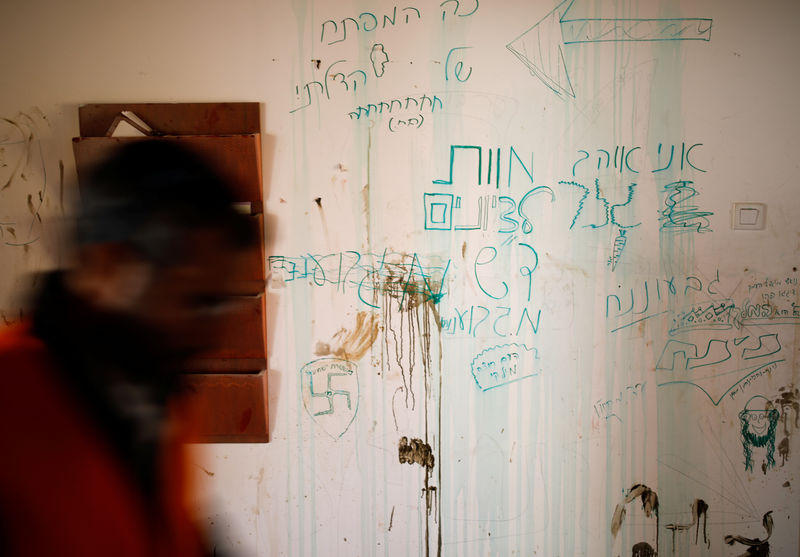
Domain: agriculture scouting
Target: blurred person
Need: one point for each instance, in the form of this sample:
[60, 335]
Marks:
[92, 423]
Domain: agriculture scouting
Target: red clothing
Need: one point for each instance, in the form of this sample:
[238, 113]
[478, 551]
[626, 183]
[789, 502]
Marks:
[64, 490]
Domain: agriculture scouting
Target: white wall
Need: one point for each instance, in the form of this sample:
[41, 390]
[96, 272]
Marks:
[534, 466]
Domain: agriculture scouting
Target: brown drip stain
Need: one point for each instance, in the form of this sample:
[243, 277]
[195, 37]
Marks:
[352, 345]
[415, 451]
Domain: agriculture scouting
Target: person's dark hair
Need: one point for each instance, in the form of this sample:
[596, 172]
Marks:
[148, 194]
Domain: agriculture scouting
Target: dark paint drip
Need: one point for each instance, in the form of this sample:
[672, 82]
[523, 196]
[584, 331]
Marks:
[649, 500]
[756, 546]
[788, 403]
[415, 451]
[415, 311]
[699, 509]
[318, 201]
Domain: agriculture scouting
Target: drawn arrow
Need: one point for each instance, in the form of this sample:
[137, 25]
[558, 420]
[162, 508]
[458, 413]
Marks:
[540, 48]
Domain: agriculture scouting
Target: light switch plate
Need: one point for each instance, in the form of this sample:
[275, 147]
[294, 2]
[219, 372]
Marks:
[749, 216]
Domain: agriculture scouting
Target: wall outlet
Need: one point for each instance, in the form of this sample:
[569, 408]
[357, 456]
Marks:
[749, 216]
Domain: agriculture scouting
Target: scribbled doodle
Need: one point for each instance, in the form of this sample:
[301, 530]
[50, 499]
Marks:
[379, 59]
[22, 159]
[756, 547]
[369, 275]
[609, 408]
[679, 213]
[330, 394]
[709, 316]
[540, 48]
[602, 211]
[619, 247]
[504, 364]
[758, 427]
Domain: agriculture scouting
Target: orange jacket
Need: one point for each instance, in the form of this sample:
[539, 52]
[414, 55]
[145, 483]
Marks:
[64, 491]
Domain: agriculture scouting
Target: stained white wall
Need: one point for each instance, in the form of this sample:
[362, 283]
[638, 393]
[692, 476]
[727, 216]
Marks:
[592, 402]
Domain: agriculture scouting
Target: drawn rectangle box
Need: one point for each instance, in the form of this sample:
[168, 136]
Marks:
[237, 405]
[230, 382]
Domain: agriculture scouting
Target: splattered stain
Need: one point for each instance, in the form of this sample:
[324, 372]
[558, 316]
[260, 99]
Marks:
[649, 500]
[408, 309]
[643, 549]
[756, 547]
[354, 344]
[209, 473]
[318, 201]
[415, 451]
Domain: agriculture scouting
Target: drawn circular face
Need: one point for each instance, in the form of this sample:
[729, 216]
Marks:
[758, 421]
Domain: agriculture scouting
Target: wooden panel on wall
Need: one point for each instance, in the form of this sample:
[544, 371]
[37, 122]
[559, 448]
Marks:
[175, 118]
[236, 157]
[233, 406]
[228, 382]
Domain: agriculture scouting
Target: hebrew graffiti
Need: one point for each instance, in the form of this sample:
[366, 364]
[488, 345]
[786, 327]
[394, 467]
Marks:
[735, 363]
[504, 364]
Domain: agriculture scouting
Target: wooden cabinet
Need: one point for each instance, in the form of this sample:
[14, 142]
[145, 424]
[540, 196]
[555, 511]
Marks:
[229, 383]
